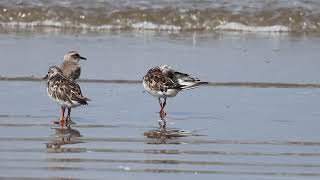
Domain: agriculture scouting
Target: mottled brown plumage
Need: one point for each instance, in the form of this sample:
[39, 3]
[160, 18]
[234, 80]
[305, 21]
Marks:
[160, 81]
[65, 91]
[163, 81]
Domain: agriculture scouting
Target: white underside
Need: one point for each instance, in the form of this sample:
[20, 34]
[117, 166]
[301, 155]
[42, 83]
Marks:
[185, 83]
[160, 94]
[65, 104]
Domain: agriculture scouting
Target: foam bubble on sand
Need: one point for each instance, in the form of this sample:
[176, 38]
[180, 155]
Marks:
[55, 24]
[46, 23]
[151, 26]
[232, 26]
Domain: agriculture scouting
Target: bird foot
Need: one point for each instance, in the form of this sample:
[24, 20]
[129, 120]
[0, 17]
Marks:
[57, 122]
[162, 124]
[60, 122]
[68, 121]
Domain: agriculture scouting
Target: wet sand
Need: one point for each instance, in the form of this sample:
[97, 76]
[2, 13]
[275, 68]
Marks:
[221, 132]
[218, 57]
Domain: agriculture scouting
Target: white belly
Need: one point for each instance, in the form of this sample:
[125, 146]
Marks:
[161, 94]
[64, 103]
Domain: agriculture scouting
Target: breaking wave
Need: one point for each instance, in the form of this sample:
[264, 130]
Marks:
[174, 15]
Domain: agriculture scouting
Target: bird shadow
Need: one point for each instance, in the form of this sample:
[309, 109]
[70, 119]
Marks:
[63, 137]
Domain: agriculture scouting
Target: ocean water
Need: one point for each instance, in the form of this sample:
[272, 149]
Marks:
[257, 119]
[165, 15]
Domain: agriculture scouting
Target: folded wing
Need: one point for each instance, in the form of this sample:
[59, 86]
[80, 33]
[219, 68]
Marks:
[186, 81]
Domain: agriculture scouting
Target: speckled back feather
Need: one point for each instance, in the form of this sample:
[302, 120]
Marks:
[159, 81]
[165, 77]
[66, 90]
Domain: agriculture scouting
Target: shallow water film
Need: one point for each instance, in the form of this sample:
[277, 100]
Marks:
[257, 118]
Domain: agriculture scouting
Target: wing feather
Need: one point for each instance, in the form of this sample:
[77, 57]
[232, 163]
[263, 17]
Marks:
[67, 90]
[159, 81]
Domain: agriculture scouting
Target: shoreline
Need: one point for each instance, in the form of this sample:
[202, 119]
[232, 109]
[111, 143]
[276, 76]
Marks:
[212, 84]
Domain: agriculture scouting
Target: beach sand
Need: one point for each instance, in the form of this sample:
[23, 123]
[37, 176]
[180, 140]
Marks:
[225, 132]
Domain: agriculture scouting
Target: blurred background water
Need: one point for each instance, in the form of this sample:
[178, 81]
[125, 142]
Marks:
[172, 15]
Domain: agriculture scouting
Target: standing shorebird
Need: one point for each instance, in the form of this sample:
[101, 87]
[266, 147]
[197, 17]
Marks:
[163, 82]
[70, 66]
[65, 91]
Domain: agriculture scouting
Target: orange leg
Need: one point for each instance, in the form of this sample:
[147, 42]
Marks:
[62, 117]
[162, 105]
[162, 113]
[161, 109]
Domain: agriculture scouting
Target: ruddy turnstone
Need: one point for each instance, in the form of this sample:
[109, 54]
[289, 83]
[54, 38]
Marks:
[65, 91]
[163, 82]
[70, 66]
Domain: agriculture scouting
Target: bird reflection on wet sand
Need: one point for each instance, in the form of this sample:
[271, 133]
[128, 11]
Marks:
[165, 135]
[64, 137]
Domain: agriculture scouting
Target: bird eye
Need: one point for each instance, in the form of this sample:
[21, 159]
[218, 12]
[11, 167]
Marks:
[75, 56]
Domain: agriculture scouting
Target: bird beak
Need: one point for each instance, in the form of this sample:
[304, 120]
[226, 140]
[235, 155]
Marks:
[46, 77]
[83, 58]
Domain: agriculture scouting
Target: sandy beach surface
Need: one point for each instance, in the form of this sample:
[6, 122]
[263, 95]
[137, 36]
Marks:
[214, 132]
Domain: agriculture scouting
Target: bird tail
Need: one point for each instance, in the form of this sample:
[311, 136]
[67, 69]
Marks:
[83, 100]
[192, 85]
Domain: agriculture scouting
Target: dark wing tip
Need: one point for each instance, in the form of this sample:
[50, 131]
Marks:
[83, 102]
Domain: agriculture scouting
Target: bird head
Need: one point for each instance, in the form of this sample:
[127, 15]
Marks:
[73, 56]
